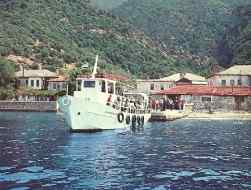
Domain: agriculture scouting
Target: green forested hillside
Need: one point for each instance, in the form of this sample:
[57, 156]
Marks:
[235, 45]
[192, 26]
[70, 31]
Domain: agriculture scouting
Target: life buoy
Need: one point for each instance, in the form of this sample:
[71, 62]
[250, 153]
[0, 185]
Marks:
[66, 101]
[120, 117]
[128, 119]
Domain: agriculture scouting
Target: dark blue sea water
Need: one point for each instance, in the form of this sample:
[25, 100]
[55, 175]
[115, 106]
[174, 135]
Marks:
[38, 152]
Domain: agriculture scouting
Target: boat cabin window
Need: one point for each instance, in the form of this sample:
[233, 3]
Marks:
[110, 86]
[103, 88]
[89, 84]
[78, 86]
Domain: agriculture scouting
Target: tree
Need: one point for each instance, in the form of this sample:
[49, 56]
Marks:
[6, 94]
[7, 72]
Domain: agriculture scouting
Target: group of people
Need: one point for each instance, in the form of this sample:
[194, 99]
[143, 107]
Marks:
[132, 103]
[163, 104]
[125, 102]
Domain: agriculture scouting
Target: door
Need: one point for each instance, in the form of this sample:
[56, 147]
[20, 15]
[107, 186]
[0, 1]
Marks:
[238, 100]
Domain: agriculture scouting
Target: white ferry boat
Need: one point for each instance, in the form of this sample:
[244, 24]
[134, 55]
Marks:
[98, 104]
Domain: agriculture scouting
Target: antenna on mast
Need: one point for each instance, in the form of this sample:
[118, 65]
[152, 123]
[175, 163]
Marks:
[95, 67]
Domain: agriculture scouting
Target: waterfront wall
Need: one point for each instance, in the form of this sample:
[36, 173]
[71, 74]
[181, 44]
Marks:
[217, 103]
[33, 106]
[222, 104]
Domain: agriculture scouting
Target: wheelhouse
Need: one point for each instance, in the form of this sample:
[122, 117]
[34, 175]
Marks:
[102, 85]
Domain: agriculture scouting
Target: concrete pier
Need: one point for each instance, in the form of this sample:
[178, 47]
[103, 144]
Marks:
[171, 115]
[33, 106]
[168, 115]
[240, 115]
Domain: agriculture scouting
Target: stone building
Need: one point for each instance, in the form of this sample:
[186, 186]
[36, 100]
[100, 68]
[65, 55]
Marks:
[238, 75]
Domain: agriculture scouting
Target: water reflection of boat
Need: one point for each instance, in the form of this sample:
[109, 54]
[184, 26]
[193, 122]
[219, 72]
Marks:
[98, 104]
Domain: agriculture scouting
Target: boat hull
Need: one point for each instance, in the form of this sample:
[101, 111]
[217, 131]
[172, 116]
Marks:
[83, 115]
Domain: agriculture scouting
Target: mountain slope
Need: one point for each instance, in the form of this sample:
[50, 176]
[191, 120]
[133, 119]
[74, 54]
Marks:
[235, 45]
[107, 4]
[179, 25]
[70, 31]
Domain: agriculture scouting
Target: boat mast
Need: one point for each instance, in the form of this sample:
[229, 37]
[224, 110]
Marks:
[67, 89]
[95, 68]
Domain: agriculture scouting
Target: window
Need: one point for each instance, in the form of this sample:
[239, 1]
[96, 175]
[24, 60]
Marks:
[19, 82]
[206, 99]
[89, 84]
[232, 82]
[54, 86]
[152, 87]
[162, 87]
[27, 82]
[110, 88]
[38, 83]
[239, 82]
[171, 85]
[32, 83]
[223, 82]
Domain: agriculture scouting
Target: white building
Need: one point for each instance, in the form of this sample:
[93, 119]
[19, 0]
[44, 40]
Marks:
[238, 75]
[155, 85]
[34, 79]
[187, 78]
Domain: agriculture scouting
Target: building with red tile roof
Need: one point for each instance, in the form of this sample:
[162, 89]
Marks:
[226, 90]
[204, 96]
